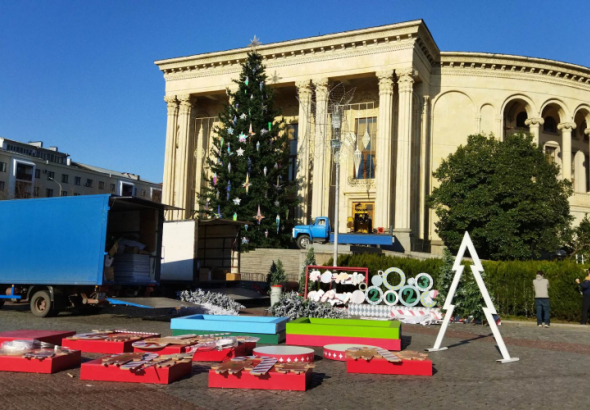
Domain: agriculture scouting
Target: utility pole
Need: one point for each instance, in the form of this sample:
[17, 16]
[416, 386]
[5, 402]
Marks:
[60, 188]
[336, 126]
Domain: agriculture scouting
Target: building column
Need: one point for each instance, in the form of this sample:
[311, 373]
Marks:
[384, 152]
[320, 192]
[535, 128]
[303, 140]
[170, 158]
[402, 228]
[424, 174]
[587, 132]
[181, 179]
[566, 148]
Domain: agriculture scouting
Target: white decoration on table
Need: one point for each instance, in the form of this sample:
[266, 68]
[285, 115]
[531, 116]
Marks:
[314, 275]
[489, 310]
[357, 297]
[326, 277]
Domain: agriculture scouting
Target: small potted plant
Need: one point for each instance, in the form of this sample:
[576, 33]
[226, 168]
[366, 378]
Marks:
[276, 276]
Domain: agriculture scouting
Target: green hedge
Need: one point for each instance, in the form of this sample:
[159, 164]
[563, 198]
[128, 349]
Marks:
[509, 283]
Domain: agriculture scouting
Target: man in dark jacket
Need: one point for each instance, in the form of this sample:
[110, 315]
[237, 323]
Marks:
[585, 288]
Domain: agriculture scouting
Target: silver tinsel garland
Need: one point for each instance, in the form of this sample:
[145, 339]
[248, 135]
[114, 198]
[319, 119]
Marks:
[199, 296]
[293, 306]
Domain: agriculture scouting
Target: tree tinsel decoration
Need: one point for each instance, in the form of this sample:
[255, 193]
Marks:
[293, 306]
[199, 296]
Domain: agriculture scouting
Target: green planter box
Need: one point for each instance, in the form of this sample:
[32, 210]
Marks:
[271, 339]
[376, 329]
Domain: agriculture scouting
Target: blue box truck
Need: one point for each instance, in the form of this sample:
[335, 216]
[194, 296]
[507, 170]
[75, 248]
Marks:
[53, 250]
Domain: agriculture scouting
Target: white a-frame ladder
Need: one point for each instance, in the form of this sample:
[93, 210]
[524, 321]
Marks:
[489, 310]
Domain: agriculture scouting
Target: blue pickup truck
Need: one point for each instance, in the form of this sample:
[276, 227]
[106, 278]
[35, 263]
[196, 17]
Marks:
[320, 232]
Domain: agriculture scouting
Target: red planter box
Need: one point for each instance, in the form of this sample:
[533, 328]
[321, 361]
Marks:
[219, 355]
[382, 366]
[312, 340]
[48, 336]
[272, 380]
[94, 370]
[50, 365]
[103, 346]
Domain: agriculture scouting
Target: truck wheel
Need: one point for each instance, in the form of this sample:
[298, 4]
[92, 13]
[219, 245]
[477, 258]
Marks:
[303, 241]
[41, 304]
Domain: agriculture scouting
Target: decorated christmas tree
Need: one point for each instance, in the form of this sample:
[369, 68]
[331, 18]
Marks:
[248, 178]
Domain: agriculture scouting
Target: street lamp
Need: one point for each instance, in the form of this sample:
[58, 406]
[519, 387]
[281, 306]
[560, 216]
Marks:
[60, 188]
[336, 125]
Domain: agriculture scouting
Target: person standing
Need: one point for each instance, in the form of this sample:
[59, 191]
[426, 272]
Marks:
[542, 299]
[585, 288]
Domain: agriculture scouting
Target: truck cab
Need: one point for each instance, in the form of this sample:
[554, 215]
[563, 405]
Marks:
[305, 235]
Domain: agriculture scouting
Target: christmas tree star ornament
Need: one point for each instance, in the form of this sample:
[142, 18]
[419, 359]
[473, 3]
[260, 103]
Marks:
[243, 116]
[230, 130]
[242, 137]
[263, 131]
[237, 201]
[264, 170]
[259, 217]
[247, 183]
[240, 152]
[235, 217]
[257, 145]
[245, 240]
[255, 42]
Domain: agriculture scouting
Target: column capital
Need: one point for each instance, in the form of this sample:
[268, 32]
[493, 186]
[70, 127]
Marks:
[172, 104]
[320, 82]
[534, 121]
[186, 103]
[303, 88]
[566, 126]
[405, 79]
[385, 81]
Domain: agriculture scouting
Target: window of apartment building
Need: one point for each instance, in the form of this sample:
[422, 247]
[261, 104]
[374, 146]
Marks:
[157, 195]
[366, 132]
[77, 180]
[36, 191]
[292, 133]
[49, 193]
[112, 187]
[2, 166]
[37, 173]
[1, 186]
[143, 193]
[64, 193]
[24, 172]
[126, 189]
[89, 183]
[100, 184]
[50, 175]
[65, 178]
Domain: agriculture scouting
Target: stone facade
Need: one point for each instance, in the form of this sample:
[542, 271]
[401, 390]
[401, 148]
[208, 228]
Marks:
[413, 105]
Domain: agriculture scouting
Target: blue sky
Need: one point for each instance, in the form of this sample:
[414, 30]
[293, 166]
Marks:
[80, 74]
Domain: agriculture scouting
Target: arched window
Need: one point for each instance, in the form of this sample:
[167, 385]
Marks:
[520, 120]
[550, 124]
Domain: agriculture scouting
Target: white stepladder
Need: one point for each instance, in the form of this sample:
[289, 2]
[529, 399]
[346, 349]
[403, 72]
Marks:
[489, 310]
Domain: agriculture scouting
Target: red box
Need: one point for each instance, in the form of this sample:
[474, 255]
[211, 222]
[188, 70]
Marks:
[94, 370]
[103, 346]
[219, 355]
[49, 336]
[272, 380]
[173, 349]
[382, 366]
[49, 365]
[313, 340]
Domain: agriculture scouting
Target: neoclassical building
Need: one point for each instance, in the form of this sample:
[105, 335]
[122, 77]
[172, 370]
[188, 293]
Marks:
[405, 106]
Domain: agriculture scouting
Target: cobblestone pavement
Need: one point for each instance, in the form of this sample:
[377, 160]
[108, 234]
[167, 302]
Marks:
[552, 373]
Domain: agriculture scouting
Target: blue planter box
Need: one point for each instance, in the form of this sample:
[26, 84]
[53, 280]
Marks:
[248, 324]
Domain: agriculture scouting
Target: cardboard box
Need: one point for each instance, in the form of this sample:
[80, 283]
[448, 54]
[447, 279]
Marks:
[204, 274]
[233, 276]
[109, 274]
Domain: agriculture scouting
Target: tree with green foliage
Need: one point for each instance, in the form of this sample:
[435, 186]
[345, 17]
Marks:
[506, 194]
[276, 273]
[578, 242]
[309, 261]
[248, 164]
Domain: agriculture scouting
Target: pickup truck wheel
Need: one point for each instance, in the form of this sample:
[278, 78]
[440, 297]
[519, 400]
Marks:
[41, 304]
[303, 241]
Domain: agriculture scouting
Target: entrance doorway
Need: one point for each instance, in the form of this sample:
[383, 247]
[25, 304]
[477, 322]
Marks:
[362, 217]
